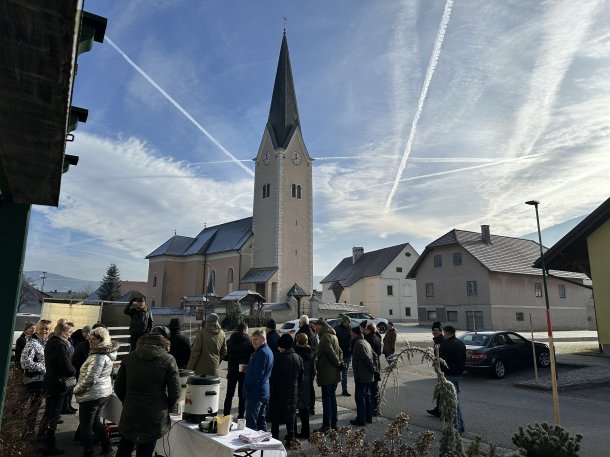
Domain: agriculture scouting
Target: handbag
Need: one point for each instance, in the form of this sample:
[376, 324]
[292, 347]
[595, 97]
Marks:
[68, 383]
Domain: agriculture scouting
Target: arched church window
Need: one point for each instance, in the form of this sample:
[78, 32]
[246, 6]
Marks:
[294, 191]
[155, 280]
[213, 278]
[230, 275]
[299, 192]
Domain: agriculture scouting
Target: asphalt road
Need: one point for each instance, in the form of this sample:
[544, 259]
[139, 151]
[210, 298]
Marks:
[494, 409]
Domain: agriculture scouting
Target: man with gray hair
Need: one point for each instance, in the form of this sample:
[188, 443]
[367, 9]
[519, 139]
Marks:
[256, 384]
[306, 329]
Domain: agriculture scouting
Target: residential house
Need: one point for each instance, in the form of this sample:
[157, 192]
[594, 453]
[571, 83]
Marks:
[586, 249]
[488, 282]
[375, 280]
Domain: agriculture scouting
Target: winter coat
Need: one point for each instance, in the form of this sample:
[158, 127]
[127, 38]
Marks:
[58, 364]
[309, 375]
[389, 341]
[32, 360]
[141, 319]
[329, 357]
[94, 380]
[209, 348]
[311, 336]
[286, 382]
[453, 351]
[258, 372]
[180, 348]
[345, 339]
[437, 342]
[272, 338]
[148, 384]
[364, 361]
[374, 339]
[19, 345]
[80, 355]
[77, 338]
[239, 350]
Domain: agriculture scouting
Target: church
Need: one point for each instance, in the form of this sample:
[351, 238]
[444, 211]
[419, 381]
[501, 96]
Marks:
[272, 251]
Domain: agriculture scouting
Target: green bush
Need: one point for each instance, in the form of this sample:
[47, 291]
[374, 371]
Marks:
[544, 440]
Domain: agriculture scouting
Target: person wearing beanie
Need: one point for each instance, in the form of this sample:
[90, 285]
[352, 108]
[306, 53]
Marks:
[345, 343]
[286, 382]
[453, 351]
[272, 335]
[389, 343]
[209, 348]
[374, 339]
[365, 365]
[306, 391]
[180, 347]
[306, 329]
[437, 338]
[93, 389]
[141, 320]
[29, 328]
[363, 324]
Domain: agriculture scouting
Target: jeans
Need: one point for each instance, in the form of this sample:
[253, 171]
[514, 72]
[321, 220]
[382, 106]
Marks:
[32, 403]
[389, 357]
[52, 412]
[235, 380]
[89, 420]
[375, 397]
[329, 406]
[364, 404]
[347, 360]
[459, 419]
[256, 413]
[142, 450]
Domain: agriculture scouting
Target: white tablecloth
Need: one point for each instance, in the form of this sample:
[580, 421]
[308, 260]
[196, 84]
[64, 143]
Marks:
[185, 439]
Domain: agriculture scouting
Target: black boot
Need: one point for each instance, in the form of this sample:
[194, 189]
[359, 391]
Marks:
[51, 448]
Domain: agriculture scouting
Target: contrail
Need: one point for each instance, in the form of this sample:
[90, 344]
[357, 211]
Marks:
[440, 36]
[177, 105]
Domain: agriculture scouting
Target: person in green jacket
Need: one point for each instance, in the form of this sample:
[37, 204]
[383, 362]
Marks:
[148, 384]
[209, 348]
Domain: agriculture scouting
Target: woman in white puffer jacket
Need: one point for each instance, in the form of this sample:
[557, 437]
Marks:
[93, 389]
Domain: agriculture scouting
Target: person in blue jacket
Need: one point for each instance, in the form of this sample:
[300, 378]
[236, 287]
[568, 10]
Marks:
[256, 385]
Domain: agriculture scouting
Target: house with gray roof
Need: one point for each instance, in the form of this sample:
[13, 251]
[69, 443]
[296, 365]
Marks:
[375, 280]
[480, 281]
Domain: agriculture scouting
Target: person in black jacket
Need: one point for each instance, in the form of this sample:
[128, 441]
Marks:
[374, 339]
[345, 343]
[286, 382]
[239, 350]
[272, 335]
[28, 330]
[59, 369]
[309, 375]
[453, 352]
[437, 338]
[180, 346]
[306, 329]
[141, 320]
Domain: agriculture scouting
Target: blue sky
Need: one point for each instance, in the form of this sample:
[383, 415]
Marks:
[509, 101]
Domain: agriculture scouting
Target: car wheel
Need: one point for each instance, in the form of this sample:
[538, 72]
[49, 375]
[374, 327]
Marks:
[382, 327]
[544, 359]
[499, 369]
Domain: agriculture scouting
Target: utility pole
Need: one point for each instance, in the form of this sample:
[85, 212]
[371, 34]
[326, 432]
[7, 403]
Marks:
[43, 276]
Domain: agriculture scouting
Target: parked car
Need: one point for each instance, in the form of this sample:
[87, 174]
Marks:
[357, 317]
[497, 352]
[290, 327]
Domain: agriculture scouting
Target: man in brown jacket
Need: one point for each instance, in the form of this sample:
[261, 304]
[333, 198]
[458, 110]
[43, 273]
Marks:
[389, 343]
[209, 348]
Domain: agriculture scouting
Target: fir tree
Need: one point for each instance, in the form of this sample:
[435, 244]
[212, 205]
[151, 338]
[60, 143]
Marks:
[110, 288]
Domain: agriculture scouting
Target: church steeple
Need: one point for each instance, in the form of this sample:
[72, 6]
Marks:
[283, 113]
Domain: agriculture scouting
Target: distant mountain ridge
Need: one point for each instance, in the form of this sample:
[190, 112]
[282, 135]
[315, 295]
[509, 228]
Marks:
[59, 283]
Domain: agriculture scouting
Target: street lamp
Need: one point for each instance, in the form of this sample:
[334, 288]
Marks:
[549, 327]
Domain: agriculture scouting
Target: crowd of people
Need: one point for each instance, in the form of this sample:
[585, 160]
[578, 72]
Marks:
[272, 374]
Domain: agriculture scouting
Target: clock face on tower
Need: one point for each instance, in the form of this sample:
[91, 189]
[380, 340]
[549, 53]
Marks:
[296, 158]
[267, 158]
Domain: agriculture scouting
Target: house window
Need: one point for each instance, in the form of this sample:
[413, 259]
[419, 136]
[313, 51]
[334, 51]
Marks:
[438, 261]
[398, 269]
[407, 311]
[431, 315]
[474, 320]
[266, 190]
[471, 288]
[390, 312]
[452, 316]
[538, 289]
[429, 289]
[390, 290]
[519, 316]
[457, 258]
[155, 280]
[153, 302]
[562, 291]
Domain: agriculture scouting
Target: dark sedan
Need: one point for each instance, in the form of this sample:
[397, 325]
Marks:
[497, 352]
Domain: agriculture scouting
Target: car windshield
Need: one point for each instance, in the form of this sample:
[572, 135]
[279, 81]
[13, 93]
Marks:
[288, 325]
[475, 339]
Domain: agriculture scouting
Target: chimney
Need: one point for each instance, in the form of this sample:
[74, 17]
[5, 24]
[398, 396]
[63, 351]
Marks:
[485, 234]
[357, 252]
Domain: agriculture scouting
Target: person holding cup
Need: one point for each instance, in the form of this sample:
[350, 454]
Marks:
[239, 350]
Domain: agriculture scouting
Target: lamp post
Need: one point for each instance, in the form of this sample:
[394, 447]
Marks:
[549, 327]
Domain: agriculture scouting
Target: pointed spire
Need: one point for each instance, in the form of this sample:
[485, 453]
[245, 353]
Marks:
[283, 113]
